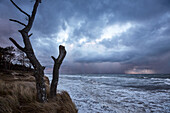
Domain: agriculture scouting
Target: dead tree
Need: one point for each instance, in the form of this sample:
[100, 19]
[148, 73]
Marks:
[57, 64]
[39, 69]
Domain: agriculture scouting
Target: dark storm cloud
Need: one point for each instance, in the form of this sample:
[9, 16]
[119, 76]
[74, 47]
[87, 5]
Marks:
[52, 14]
[145, 44]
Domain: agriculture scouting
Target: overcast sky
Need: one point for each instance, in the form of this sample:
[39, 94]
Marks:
[100, 36]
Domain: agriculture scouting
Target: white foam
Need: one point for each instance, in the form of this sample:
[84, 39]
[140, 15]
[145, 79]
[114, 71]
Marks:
[95, 97]
[167, 79]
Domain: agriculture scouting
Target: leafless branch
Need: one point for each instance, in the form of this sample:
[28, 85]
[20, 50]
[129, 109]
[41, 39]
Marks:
[31, 19]
[17, 22]
[30, 35]
[20, 8]
[53, 58]
[16, 44]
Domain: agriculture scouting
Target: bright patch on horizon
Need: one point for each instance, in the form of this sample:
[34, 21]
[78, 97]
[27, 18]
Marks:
[114, 30]
[140, 71]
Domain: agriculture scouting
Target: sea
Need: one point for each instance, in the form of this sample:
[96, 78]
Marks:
[117, 93]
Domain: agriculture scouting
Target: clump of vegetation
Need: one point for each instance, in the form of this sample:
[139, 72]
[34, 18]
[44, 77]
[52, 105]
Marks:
[19, 96]
[13, 59]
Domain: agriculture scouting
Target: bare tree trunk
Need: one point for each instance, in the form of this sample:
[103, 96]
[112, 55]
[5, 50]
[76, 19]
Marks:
[39, 69]
[57, 64]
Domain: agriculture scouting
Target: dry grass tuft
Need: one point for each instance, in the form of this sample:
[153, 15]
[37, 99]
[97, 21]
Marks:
[61, 104]
[4, 106]
[20, 97]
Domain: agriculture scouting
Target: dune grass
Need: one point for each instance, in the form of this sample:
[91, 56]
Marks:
[20, 97]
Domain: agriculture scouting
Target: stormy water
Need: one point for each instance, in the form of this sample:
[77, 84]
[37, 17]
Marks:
[112, 93]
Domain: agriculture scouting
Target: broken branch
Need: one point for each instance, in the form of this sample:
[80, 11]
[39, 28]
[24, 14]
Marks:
[53, 58]
[30, 35]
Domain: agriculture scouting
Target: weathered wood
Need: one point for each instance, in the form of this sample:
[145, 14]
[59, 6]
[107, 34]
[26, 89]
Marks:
[39, 69]
[57, 64]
